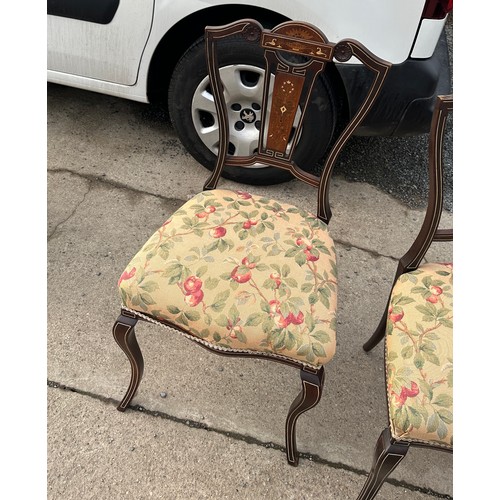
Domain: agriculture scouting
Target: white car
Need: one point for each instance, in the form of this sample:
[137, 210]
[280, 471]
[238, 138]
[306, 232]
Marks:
[152, 51]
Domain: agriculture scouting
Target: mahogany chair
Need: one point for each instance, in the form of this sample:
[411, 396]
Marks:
[241, 274]
[418, 329]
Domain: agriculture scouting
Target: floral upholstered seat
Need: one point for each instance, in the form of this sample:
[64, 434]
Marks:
[241, 272]
[419, 356]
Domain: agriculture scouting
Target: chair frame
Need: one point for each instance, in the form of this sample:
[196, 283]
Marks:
[389, 451]
[312, 377]
[279, 41]
[429, 232]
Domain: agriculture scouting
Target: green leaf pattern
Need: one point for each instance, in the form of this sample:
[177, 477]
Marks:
[419, 355]
[243, 272]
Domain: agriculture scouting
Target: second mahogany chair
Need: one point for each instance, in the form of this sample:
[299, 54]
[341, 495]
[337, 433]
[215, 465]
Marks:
[417, 326]
[242, 274]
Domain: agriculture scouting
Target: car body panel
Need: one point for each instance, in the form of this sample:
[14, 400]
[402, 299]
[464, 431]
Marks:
[109, 52]
[428, 36]
[116, 56]
[119, 52]
[387, 27]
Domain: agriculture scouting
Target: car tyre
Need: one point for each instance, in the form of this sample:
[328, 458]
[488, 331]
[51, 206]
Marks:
[193, 115]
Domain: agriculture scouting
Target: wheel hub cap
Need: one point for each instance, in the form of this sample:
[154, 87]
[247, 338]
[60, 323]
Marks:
[248, 115]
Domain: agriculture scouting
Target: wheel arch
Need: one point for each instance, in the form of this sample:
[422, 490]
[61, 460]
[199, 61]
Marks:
[180, 37]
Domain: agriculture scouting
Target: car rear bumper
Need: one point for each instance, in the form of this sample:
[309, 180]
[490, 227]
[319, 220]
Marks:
[405, 104]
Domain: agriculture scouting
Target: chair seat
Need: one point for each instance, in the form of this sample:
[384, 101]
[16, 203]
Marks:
[419, 356]
[242, 273]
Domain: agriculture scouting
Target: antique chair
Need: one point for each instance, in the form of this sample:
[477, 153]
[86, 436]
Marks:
[240, 274]
[418, 330]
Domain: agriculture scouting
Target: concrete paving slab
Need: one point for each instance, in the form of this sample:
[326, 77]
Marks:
[98, 453]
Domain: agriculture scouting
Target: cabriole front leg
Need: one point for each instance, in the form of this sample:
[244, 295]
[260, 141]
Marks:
[388, 454]
[312, 386]
[124, 334]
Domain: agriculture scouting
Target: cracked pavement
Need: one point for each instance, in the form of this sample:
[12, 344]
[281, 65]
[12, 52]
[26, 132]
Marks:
[202, 426]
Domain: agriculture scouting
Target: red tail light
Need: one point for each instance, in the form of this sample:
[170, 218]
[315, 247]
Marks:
[437, 9]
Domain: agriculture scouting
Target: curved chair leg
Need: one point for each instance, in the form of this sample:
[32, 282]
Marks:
[124, 334]
[312, 386]
[388, 454]
[378, 334]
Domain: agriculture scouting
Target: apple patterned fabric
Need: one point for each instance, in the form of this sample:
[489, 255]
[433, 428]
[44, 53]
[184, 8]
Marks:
[241, 272]
[419, 355]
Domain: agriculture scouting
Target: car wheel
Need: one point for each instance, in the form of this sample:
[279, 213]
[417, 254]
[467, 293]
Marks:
[192, 111]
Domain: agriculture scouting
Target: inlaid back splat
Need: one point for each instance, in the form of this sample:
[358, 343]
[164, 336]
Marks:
[295, 53]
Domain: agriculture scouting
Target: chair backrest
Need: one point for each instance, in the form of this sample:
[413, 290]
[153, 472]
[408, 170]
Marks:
[295, 54]
[430, 231]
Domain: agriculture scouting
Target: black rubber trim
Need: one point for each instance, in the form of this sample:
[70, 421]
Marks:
[92, 11]
[406, 102]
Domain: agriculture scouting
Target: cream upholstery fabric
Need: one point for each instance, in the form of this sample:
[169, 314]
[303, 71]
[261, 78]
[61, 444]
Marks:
[242, 272]
[419, 356]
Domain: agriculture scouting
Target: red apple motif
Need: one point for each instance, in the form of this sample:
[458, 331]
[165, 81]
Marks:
[301, 240]
[277, 279]
[239, 276]
[217, 232]
[127, 275]
[433, 299]
[274, 306]
[194, 299]
[249, 223]
[406, 393]
[192, 284]
[280, 321]
[247, 263]
[201, 215]
[436, 290]
[234, 332]
[411, 393]
[395, 317]
[296, 320]
[310, 257]
[210, 209]
[243, 195]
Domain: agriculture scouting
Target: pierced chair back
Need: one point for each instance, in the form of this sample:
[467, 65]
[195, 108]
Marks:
[295, 53]
[429, 231]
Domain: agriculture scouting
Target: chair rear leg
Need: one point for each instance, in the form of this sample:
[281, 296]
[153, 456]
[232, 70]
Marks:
[312, 387]
[378, 334]
[124, 334]
[388, 454]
